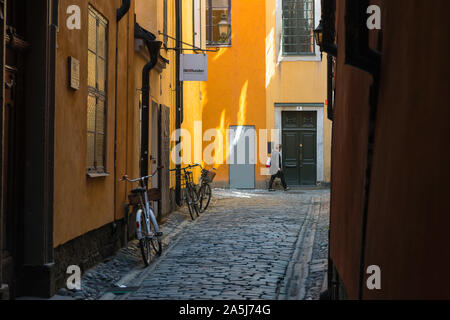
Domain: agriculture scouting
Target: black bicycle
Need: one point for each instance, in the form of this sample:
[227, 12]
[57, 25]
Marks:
[189, 192]
[204, 192]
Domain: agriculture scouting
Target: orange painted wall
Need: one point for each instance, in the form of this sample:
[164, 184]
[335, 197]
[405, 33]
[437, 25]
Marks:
[82, 204]
[235, 92]
[248, 78]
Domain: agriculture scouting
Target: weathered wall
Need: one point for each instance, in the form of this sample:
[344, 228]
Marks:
[82, 204]
[408, 219]
[350, 136]
[407, 210]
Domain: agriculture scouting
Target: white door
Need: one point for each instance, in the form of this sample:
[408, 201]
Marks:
[242, 157]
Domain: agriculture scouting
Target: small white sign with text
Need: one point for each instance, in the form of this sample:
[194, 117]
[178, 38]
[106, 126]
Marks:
[194, 67]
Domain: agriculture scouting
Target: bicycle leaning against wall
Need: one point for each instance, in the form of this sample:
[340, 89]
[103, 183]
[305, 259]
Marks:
[189, 192]
[204, 191]
[147, 229]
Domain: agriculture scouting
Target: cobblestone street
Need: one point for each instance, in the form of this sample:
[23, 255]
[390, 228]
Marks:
[248, 245]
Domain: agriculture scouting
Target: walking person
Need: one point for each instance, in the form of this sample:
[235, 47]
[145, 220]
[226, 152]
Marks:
[276, 169]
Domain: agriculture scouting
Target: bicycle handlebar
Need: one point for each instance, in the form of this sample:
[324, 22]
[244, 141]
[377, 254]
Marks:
[186, 168]
[195, 165]
[125, 177]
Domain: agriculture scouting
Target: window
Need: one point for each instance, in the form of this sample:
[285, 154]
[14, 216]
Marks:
[96, 100]
[218, 13]
[298, 27]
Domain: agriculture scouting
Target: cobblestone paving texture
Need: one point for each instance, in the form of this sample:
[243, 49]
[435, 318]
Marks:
[249, 245]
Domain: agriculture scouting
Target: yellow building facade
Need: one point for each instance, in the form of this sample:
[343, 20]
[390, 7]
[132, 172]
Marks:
[258, 96]
[90, 62]
[297, 83]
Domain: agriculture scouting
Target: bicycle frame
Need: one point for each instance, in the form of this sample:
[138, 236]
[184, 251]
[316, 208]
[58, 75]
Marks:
[148, 215]
[145, 210]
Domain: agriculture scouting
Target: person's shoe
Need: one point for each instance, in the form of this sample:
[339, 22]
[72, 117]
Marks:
[271, 190]
[287, 189]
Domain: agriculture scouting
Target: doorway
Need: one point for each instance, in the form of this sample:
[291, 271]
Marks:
[299, 139]
[242, 157]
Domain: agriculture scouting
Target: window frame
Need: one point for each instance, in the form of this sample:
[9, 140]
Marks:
[209, 26]
[282, 45]
[196, 36]
[98, 94]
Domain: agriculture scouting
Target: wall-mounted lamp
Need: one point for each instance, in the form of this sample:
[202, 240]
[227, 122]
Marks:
[318, 34]
[224, 28]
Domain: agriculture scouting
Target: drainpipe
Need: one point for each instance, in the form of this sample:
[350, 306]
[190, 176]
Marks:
[121, 12]
[153, 48]
[179, 88]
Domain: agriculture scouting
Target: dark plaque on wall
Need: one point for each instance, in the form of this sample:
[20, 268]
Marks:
[74, 73]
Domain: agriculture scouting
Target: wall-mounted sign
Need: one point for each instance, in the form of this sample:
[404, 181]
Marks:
[194, 67]
[74, 73]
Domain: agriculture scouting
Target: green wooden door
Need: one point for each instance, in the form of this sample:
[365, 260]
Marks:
[300, 147]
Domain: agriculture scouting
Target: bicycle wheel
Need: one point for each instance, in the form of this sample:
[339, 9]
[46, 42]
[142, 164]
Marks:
[144, 243]
[189, 203]
[205, 197]
[195, 200]
[155, 241]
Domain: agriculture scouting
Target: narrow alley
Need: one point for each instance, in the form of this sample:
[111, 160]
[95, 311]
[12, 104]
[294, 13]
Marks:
[249, 245]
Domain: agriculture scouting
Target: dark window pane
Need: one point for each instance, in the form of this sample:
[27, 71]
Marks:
[92, 70]
[298, 27]
[100, 116]
[101, 46]
[92, 35]
[99, 150]
[91, 113]
[90, 150]
[101, 74]
[220, 3]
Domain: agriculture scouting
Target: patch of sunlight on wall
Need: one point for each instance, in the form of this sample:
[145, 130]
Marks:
[242, 117]
[270, 57]
[203, 96]
[221, 129]
[242, 114]
[219, 53]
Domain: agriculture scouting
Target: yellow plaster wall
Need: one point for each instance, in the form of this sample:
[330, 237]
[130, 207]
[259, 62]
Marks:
[294, 81]
[82, 204]
[235, 92]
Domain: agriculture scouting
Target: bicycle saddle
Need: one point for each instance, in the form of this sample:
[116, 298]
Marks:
[138, 191]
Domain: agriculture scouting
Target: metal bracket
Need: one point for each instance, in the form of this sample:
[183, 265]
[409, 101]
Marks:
[195, 48]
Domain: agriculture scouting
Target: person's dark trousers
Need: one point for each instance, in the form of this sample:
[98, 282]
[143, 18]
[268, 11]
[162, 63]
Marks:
[280, 175]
